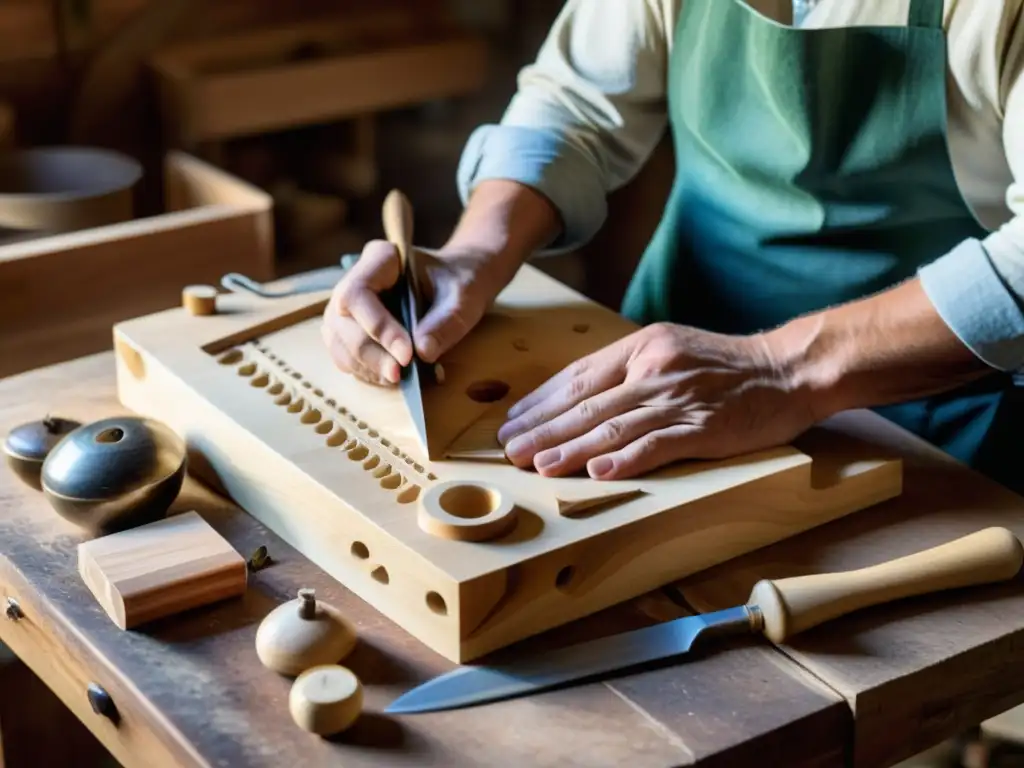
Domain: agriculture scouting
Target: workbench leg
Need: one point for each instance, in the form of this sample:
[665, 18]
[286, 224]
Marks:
[36, 729]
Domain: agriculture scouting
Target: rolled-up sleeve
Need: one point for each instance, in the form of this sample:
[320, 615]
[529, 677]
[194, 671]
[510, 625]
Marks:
[975, 300]
[586, 115]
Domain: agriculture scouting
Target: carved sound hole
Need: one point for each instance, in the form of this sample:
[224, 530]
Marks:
[489, 391]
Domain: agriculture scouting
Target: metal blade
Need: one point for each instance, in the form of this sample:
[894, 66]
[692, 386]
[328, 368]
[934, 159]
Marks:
[473, 685]
[400, 301]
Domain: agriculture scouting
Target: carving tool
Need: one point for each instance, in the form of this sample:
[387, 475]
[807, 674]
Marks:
[778, 609]
[405, 300]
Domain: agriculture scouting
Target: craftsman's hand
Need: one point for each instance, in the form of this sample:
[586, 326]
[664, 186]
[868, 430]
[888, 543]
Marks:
[364, 339]
[664, 393]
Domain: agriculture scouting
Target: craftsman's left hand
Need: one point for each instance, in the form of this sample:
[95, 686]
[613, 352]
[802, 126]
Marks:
[664, 393]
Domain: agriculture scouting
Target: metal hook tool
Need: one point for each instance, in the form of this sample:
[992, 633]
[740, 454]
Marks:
[308, 282]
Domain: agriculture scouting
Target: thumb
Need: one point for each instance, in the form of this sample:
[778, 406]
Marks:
[444, 325]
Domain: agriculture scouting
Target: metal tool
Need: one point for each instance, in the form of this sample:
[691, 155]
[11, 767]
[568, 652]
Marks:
[306, 282]
[404, 301]
[778, 609]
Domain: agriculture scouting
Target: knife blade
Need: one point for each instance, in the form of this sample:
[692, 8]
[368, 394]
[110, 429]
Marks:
[777, 609]
[405, 302]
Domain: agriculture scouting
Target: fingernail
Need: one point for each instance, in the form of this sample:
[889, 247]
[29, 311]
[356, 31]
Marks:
[602, 465]
[429, 348]
[547, 458]
[506, 432]
[400, 351]
[514, 448]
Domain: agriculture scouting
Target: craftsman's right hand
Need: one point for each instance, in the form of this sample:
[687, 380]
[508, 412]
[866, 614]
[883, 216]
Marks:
[364, 339]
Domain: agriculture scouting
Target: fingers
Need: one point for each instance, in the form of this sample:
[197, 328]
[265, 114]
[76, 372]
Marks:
[609, 436]
[343, 358]
[539, 442]
[451, 316]
[569, 388]
[363, 337]
[649, 452]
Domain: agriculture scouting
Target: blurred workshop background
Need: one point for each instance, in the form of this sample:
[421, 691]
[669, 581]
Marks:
[257, 136]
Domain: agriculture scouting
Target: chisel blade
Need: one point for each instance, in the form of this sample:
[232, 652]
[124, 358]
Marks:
[474, 685]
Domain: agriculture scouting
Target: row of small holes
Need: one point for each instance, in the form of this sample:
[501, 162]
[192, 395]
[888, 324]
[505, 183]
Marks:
[343, 411]
[357, 451]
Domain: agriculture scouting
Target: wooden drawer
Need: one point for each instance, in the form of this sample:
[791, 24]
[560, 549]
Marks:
[64, 659]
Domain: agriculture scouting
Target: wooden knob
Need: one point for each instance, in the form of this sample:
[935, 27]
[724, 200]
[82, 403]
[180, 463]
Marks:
[790, 606]
[303, 633]
[326, 699]
[199, 299]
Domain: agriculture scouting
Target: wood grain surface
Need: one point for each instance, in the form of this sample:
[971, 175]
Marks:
[919, 671]
[189, 689]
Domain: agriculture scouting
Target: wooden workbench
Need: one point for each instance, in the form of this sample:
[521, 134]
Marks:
[190, 691]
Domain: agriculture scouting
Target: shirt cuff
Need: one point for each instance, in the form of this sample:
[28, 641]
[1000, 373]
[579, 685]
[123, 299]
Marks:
[977, 306]
[546, 162]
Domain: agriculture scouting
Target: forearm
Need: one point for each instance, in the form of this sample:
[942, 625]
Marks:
[887, 348]
[505, 222]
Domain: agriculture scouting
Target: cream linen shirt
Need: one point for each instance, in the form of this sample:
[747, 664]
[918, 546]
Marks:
[589, 111]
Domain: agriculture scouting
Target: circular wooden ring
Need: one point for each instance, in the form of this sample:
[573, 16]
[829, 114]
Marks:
[466, 511]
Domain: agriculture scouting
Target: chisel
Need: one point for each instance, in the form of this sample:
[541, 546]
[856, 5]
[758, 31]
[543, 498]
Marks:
[778, 609]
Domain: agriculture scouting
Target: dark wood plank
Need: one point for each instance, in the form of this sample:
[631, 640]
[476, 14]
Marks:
[916, 672]
[192, 691]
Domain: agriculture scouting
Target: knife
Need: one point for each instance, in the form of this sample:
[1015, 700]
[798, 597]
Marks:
[778, 609]
[404, 301]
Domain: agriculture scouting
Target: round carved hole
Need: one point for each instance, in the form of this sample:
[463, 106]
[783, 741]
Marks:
[359, 550]
[296, 406]
[408, 494]
[247, 370]
[437, 604]
[391, 482]
[359, 452]
[382, 471]
[311, 416]
[276, 388]
[380, 573]
[324, 427]
[564, 577]
[371, 462]
[283, 399]
[231, 357]
[112, 435]
[488, 391]
[337, 438]
[468, 501]
[581, 327]
[260, 381]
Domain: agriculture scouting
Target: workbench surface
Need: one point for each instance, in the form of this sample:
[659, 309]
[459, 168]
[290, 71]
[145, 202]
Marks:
[189, 689]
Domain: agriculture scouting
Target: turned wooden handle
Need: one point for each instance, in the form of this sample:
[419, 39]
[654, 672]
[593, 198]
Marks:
[397, 216]
[790, 606]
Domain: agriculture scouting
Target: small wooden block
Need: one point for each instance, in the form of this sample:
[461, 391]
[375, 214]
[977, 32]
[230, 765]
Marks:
[199, 299]
[160, 569]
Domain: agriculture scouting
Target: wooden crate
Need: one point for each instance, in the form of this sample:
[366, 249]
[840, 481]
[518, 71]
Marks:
[311, 73]
[61, 294]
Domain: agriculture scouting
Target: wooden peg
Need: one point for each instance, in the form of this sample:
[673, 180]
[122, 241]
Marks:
[199, 299]
[326, 699]
[303, 633]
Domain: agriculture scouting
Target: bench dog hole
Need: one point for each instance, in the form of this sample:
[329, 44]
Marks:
[437, 604]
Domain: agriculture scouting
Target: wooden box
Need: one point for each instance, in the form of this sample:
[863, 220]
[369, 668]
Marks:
[465, 551]
[318, 72]
[61, 294]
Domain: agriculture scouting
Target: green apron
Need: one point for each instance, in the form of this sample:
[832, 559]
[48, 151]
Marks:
[813, 169]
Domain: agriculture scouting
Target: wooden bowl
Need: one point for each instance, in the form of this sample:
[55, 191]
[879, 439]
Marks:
[62, 189]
